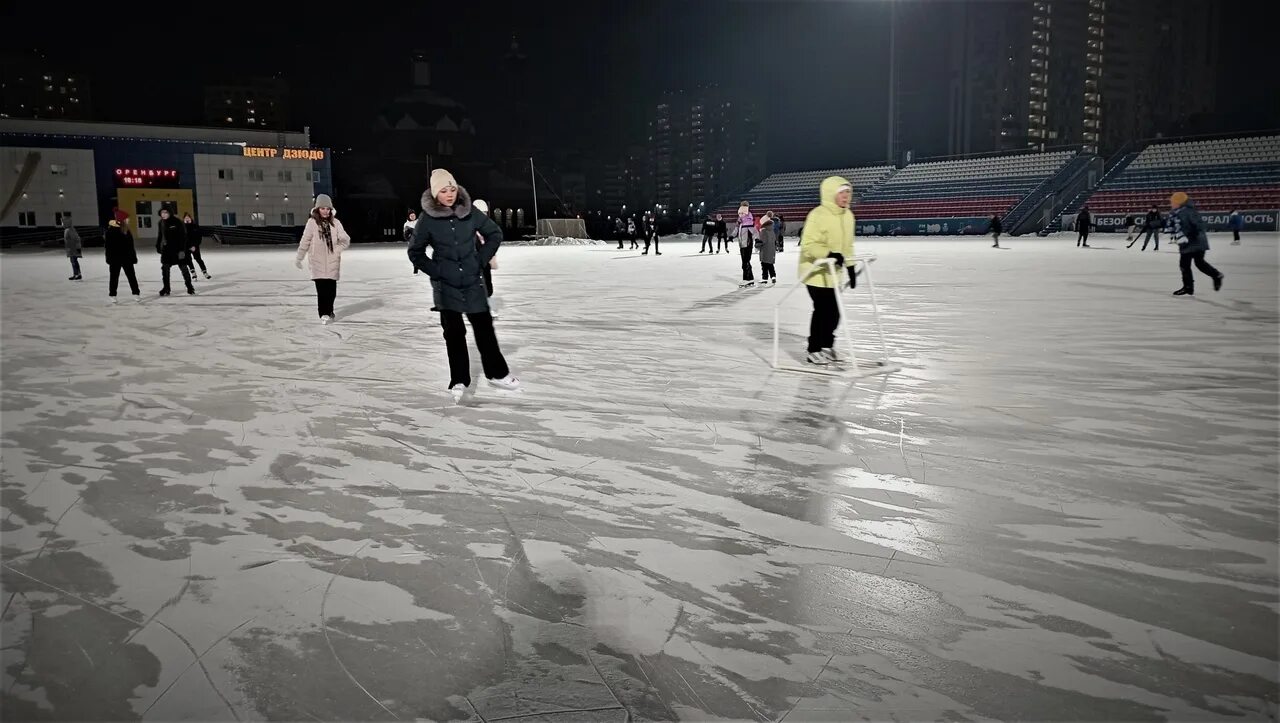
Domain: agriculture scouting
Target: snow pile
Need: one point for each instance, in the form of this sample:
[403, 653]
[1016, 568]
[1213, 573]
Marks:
[554, 241]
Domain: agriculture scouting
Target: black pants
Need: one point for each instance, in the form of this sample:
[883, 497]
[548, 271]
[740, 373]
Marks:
[767, 272]
[653, 238]
[1196, 257]
[825, 319]
[455, 341]
[706, 242]
[1235, 235]
[1084, 237]
[722, 238]
[635, 241]
[326, 292]
[487, 273]
[115, 279]
[747, 274]
[186, 276]
[194, 258]
[996, 236]
[1150, 232]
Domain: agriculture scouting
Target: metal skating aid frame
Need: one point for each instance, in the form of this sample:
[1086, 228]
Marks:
[857, 369]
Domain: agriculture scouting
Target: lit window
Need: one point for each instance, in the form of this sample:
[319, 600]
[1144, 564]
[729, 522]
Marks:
[58, 169]
[258, 218]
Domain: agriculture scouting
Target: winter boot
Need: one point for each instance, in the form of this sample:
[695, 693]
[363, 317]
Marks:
[1185, 291]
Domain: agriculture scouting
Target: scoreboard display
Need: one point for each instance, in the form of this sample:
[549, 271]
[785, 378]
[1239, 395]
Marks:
[147, 177]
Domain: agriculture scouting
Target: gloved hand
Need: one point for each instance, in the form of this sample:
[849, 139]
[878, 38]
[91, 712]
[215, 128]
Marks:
[838, 258]
[182, 255]
[298, 263]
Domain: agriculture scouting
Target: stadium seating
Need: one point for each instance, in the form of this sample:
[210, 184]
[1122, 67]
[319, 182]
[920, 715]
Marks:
[1219, 175]
[970, 187]
[793, 195]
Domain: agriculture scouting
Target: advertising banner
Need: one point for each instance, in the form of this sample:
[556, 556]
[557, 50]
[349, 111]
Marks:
[1254, 220]
[924, 226]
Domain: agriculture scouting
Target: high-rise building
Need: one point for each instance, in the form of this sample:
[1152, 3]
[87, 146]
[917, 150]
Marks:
[702, 145]
[1093, 73]
[33, 87]
[261, 103]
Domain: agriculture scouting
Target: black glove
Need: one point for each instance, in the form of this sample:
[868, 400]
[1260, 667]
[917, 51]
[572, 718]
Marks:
[838, 258]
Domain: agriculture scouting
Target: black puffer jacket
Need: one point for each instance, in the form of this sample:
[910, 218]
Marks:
[456, 260]
[193, 234]
[171, 241]
[118, 243]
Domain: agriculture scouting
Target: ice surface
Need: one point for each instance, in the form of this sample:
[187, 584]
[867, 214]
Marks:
[1065, 507]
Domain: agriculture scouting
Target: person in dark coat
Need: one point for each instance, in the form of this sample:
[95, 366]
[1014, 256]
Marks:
[996, 227]
[1195, 243]
[193, 247]
[781, 226]
[448, 226]
[1084, 220]
[620, 230]
[121, 255]
[171, 244]
[71, 241]
[708, 230]
[1151, 224]
[768, 246]
[634, 232]
[722, 234]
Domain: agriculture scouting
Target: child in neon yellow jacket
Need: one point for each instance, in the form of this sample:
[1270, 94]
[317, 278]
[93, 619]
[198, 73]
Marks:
[827, 234]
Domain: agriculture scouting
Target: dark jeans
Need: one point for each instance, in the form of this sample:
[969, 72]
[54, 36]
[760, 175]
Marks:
[635, 243]
[1196, 257]
[75, 265]
[747, 274]
[115, 279]
[825, 319]
[488, 279]
[1150, 232]
[1084, 237]
[767, 272]
[186, 276]
[194, 258]
[455, 341]
[706, 243]
[996, 237]
[1235, 235]
[722, 238]
[326, 292]
[653, 238]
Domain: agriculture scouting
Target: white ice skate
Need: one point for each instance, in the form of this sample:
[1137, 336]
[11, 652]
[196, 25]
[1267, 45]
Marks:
[326, 320]
[457, 391]
[835, 356]
[113, 301]
[746, 284]
[509, 383]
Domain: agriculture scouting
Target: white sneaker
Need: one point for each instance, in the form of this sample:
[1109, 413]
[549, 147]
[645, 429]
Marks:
[818, 358]
[113, 301]
[509, 383]
[835, 356]
[456, 391]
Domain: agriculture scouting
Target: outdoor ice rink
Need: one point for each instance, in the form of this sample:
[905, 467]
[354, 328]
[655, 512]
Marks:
[1064, 507]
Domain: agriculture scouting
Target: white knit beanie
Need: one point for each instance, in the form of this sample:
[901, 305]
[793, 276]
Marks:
[440, 180]
[481, 205]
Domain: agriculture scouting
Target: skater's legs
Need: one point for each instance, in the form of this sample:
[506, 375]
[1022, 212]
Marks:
[1235, 236]
[1204, 266]
[320, 291]
[495, 366]
[455, 342]
[199, 260]
[164, 277]
[133, 280]
[747, 274]
[113, 276]
[1184, 263]
[75, 266]
[825, 319]
[186, 275]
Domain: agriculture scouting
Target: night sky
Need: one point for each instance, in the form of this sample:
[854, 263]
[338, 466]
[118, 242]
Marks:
[598, 66]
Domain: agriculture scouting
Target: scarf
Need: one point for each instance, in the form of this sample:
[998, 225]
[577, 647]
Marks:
[326, 230]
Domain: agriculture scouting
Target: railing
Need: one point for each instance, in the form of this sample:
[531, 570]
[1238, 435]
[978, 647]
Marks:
[47, 237]
[1083, 192]
[1070, 182]
[1019, 211]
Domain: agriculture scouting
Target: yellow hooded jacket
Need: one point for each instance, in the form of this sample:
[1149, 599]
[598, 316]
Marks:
[827, 229]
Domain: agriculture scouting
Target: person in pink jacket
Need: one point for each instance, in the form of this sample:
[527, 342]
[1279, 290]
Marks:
[324, 240]
[748, 232]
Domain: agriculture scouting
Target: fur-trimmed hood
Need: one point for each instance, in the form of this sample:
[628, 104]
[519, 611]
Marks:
[461, 206]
